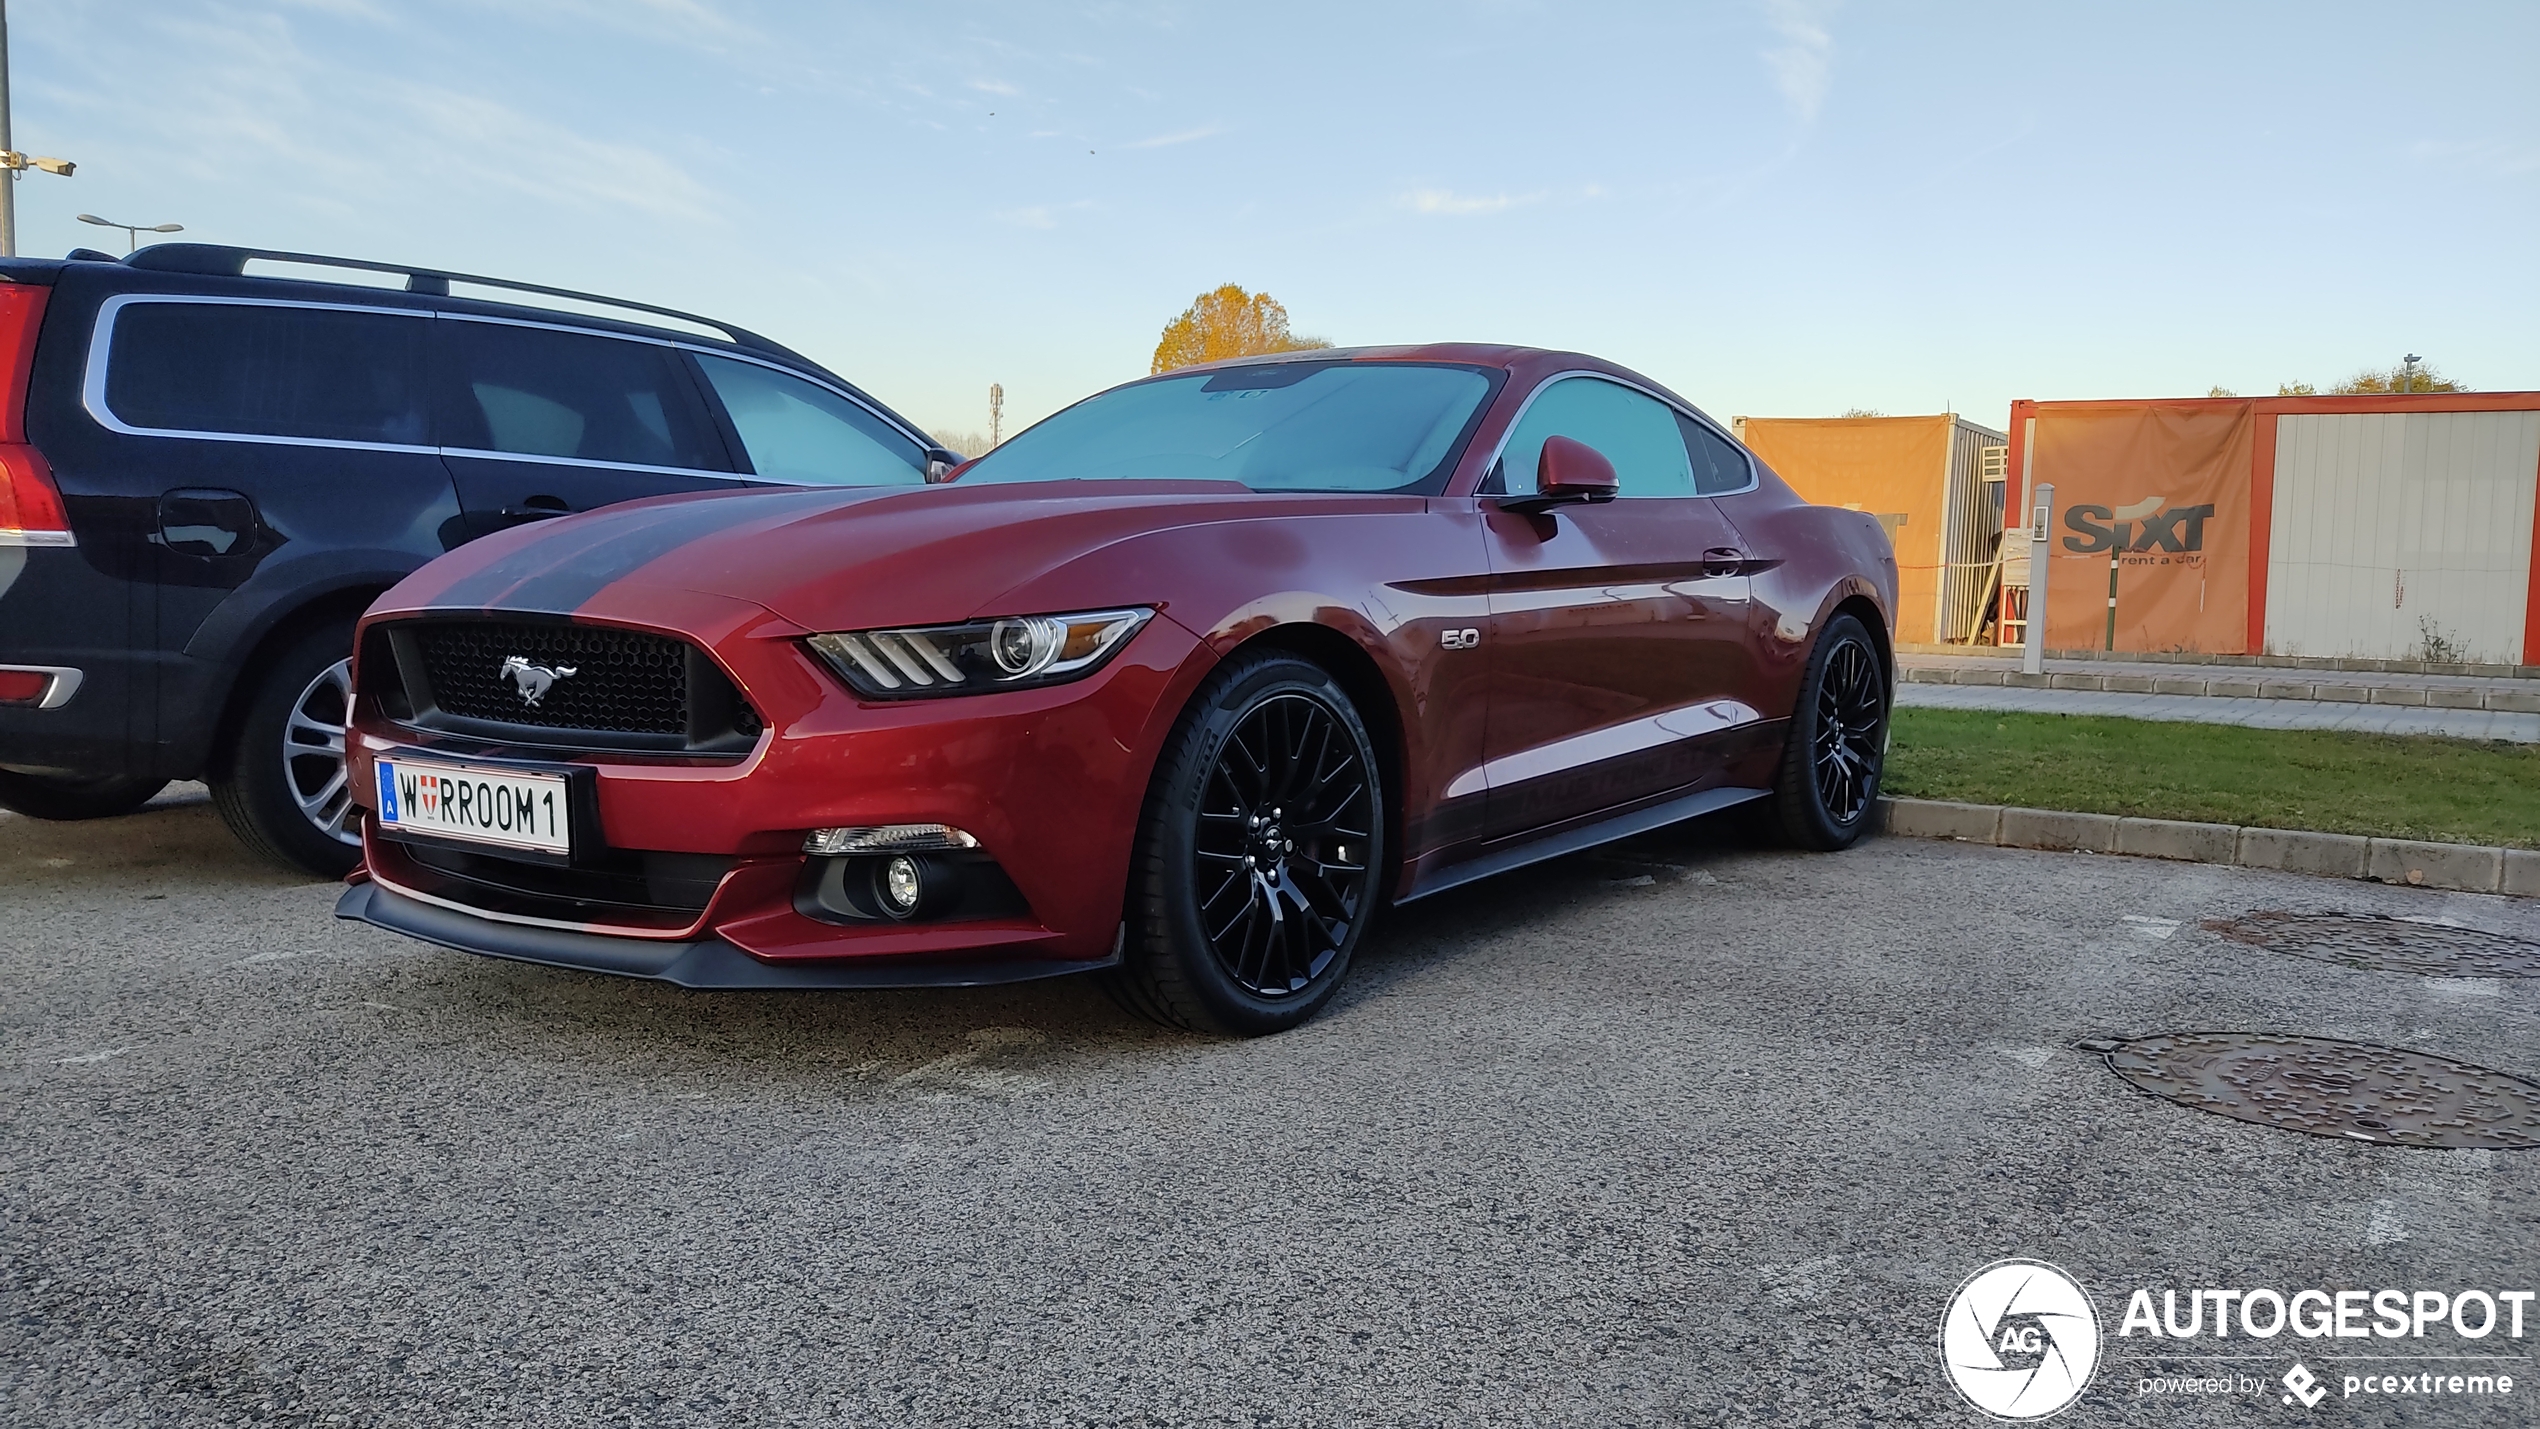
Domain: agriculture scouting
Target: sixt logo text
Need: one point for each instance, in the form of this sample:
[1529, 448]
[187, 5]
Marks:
[2179, 529]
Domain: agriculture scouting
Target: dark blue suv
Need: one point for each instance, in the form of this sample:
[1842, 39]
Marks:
[207, 471]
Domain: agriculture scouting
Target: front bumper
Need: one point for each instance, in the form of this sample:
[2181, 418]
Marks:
[707, 962]
[1049, 782]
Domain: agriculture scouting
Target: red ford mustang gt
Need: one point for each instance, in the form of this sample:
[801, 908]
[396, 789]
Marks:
[1179, 685]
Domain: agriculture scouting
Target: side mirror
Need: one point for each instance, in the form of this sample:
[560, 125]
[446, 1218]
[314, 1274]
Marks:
[1567, 473]
[941, 463]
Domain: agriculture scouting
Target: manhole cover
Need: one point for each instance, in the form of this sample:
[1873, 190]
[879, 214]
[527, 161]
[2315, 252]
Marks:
[2361, 940]
[2327, 1088]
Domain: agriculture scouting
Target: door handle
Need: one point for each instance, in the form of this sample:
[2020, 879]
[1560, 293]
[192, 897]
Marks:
[1723, 561]
[203, 521]
[536, 508]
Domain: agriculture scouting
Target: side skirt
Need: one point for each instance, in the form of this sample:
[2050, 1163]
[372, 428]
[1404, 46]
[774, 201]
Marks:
[1570, 840]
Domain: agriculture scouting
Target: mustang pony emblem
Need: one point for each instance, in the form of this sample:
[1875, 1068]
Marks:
[534, 680]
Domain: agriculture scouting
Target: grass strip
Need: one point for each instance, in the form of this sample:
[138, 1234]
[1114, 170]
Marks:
[2390, 786]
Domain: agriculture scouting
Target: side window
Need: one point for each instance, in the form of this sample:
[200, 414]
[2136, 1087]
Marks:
[1719, 465]
[270, 371]
[540, 392]
[800, 432]
[1634, 431]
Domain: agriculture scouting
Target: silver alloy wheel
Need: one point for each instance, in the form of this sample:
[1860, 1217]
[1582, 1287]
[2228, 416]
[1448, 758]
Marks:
[313, 753]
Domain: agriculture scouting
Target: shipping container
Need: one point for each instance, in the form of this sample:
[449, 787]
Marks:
[1926, 479]
[2376, 527]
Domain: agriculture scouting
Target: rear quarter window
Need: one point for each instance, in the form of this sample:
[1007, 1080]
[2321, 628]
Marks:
[251, 370]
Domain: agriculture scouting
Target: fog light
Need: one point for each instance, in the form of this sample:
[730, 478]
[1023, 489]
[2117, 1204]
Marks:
[903, 885]
[908, 886]
[888, 838]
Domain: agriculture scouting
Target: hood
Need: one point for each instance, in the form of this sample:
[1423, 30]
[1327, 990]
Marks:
[837, 559]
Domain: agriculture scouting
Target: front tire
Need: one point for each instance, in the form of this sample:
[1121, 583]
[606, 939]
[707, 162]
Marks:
[66, 800]
[1829, 784]
[1259, 855]
[281, 785]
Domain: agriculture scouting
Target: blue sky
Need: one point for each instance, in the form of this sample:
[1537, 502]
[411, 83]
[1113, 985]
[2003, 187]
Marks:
[1777, 207]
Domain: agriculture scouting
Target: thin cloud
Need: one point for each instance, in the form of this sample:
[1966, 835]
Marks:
[1448, 203]
[994, 86]
[1803, 67]
[688, 20]
[1163, 140]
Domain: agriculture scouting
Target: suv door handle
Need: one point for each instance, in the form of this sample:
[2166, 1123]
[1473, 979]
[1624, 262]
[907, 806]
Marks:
[204, 521]
[1723, 561]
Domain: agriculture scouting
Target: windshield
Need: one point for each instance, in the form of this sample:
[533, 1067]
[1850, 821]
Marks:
[1290, 426]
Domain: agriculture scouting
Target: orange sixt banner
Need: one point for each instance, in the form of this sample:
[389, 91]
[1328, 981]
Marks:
[2150, 549]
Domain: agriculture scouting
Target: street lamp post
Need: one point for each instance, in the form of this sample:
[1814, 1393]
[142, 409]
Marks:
[13, 163]
[2408, 373]
[132, 231]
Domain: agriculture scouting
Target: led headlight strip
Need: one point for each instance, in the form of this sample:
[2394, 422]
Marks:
[1014, 652]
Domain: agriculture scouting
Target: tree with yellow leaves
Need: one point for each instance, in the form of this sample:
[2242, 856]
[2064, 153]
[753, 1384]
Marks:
[1228, 322]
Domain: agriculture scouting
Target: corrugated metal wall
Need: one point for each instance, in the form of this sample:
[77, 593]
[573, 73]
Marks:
[1968, 538]
[2402, 535]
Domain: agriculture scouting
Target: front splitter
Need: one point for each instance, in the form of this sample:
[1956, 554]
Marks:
[706, 963]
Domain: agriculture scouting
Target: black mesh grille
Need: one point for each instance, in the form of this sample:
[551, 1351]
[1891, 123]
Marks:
[622, 681]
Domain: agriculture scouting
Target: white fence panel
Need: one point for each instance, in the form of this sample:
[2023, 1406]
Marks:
[2402, 535]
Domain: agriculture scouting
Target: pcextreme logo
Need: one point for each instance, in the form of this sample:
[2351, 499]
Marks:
[2020, 1340]
[2172, 530]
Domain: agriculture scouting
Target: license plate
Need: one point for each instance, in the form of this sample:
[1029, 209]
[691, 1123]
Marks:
[502, 807]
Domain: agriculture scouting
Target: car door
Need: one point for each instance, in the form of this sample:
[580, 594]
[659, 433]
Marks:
[1618, 631]
[540, 421]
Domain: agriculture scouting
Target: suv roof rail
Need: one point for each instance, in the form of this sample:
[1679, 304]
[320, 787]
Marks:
[222, 260]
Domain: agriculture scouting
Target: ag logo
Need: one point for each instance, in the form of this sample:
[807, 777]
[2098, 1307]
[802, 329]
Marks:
[2020, 1340]
[2178, 529]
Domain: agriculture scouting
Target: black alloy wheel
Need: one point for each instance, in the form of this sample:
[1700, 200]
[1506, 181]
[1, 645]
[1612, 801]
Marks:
[1837, 748]
[1260, 853]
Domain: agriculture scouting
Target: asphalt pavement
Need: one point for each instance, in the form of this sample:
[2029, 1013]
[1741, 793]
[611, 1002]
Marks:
[1673, 1133]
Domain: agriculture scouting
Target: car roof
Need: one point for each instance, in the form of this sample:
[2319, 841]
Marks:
[431, 286]
[1524, 364]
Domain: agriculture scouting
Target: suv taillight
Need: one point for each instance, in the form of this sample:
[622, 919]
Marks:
[30, 505]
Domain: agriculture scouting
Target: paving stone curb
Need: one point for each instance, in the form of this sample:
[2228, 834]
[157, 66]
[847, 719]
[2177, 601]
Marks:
[2456, 697]
[2246, 662]
[2462, 868]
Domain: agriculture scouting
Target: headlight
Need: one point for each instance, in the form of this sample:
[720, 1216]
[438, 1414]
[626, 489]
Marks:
[1017, 652]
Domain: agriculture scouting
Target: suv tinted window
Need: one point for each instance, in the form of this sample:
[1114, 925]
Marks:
[801, 432]
[270, 371]
[1634, 431]
[1718, 465]
[540, 392]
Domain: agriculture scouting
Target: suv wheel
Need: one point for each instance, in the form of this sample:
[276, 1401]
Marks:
[66, 799]
[280, 785]
[1260, 854]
